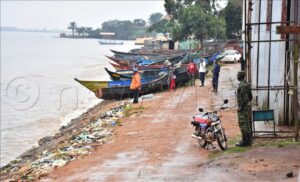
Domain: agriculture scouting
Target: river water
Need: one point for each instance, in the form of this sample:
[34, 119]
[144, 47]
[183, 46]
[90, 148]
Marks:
[38, 91]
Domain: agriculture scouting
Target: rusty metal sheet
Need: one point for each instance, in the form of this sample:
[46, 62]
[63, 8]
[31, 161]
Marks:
[288, 29]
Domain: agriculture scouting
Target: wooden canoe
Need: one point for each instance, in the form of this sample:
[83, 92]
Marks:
[121, 92]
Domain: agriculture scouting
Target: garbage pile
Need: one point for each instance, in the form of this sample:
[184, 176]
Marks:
[96, 133]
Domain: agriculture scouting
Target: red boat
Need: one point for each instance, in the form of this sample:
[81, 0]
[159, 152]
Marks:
[121, 61]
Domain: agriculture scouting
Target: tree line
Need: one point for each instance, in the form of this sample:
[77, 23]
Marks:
[186, 19]
[202, 20]
[123, 29]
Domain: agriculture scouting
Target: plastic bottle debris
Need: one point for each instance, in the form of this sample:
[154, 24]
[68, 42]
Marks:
[98, 132]
[59, 163]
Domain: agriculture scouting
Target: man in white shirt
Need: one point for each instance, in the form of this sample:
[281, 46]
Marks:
[202, 71]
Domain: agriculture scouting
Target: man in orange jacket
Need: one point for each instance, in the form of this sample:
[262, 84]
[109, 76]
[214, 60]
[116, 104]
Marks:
[135, 85]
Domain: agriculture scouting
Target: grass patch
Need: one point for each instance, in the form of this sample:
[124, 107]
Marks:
[274, 142]
[129, 110]
[234, 140]
[257, 143]
[230, 150]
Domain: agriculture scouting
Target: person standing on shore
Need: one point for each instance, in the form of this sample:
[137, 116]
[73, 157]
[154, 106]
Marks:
[242, 61]
[202, 71]
[172, 79]
[192, 72]
[215, 79]
[135, 85]
[244, 97]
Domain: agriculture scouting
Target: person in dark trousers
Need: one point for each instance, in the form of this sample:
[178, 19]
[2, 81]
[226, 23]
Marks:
[135, 85]
[202, 71]
[244, 97]
[215, 79]
[242, 61]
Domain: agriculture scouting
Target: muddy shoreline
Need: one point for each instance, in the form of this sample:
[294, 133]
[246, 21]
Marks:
[153, 143]
[79, 137]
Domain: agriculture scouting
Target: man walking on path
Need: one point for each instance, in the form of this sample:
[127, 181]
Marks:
[192, 71]
[202, 71]
[244, 97]
[215, 79]
[135, 85]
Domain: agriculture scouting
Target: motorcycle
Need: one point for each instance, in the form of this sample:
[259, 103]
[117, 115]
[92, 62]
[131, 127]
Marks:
[208, 128]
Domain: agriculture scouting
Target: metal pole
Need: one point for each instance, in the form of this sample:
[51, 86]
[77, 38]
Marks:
[245, 33]
[270, 47]
[249, 32]
[257, 60]
[287, 56]
[295, 95]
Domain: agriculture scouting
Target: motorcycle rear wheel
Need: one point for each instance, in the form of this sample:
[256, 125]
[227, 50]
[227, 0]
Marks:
[221, 139]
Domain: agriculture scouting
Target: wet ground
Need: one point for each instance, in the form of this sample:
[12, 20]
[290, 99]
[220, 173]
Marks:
[155, 144]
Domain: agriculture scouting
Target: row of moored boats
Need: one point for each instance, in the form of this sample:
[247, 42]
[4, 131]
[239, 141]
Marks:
[155, 69]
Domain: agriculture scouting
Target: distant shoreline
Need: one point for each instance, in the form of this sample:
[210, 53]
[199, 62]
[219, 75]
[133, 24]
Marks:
[28, 31]
[13, 29]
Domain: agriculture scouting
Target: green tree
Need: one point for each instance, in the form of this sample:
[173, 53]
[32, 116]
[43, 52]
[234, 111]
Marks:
[233, 17]
[73, 27]
[195, 18]
[172, 6]
[139, 22]
[163, 26]
[80, 30]
[95, 33]
[89, 30]
[122, 29]
[154, 18]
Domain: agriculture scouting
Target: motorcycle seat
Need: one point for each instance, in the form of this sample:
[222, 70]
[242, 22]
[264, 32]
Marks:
[202, 119]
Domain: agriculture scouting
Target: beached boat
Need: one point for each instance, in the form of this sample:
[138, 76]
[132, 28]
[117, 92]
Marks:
[95, 85]
[140, 62]
[122, 61]
[127, 74]
[118, 63]
[152, 53]
[181, 74]
[121, 89]
[127, 67]
[136, 56]
[118, 76]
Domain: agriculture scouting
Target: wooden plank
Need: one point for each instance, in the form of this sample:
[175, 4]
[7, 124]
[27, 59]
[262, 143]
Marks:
[288, 29]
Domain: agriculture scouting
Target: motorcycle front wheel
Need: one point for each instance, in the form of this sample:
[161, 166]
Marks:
[221, 139]
[202, 142]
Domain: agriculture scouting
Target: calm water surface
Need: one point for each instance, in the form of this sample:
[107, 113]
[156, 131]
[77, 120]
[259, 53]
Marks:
[38, 91]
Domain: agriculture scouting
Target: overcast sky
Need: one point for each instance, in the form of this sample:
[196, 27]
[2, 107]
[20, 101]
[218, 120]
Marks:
[58, 14]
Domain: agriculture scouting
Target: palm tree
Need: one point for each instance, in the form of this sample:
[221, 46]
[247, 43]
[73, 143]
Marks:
[73, 27]
[80, 30]
[89, 30]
